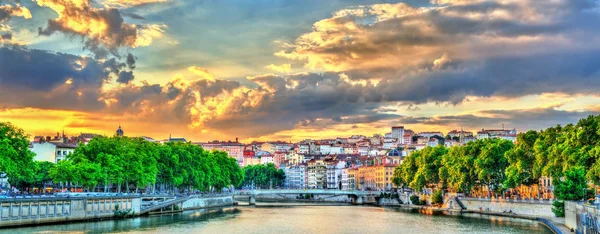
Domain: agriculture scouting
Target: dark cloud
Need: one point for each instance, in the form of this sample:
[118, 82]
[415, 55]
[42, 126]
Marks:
[133, 15]
[103, 30]
[130, 61]
[125, 77]
[42, 79]
[6, 36]
[522, 119]
[7, 11]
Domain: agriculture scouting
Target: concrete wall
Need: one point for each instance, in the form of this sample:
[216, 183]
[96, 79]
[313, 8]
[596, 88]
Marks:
[15, 212]
[571, 209]
[292, 197]
[522, 207]
[388, 201]
[207, 202]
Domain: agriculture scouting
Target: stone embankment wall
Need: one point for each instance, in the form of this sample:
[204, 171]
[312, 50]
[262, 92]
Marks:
[18, 212]
[293, 197]
[207, 202]
[541, 208]
[388, 202]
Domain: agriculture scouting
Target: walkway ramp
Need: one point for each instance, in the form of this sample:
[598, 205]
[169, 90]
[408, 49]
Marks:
[459, 202]
[163, 204]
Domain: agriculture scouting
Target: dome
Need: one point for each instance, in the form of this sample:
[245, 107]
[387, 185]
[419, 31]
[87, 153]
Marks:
[394, 152]
[119, 131]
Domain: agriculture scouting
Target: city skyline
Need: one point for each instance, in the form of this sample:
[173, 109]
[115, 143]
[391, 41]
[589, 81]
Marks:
[292, 70]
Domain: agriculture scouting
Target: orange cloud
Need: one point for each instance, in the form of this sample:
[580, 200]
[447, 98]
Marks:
[283, 68]
[104, 28]
[10, 10]
[202, 73]
[129, 3]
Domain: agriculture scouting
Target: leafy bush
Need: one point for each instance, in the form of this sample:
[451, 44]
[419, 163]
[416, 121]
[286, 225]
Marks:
[437, 198]
[558, 207]
[415, 200]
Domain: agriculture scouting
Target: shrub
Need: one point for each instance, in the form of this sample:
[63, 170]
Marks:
[415, 200]
[558, 207]
[437, 198]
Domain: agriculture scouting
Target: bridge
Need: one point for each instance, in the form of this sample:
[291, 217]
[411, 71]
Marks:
[356, 195]
[156, 203]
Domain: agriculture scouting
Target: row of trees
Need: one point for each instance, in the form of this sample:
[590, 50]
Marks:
[569, 155]
[263, 176]
[119, 163]
[124, 162]
[460, 168]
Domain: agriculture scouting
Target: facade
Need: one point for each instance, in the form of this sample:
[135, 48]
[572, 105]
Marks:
[296, 176]
[233, 149]
[459, 134]
[334, 174]
[383, 176]
[365, 178]
[324, 148]
[398, 133]
[51, 151]
[431, 134]
[266, 159]
[317, 174]
[497, 133]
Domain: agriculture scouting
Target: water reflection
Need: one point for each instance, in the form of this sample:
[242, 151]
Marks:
[291, 218]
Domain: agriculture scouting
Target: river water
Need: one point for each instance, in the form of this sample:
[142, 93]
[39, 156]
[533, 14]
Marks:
[291, 219]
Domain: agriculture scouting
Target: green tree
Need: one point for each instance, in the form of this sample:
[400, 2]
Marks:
[16, 161]
[491, 164]
[574, 187]
[521, 160]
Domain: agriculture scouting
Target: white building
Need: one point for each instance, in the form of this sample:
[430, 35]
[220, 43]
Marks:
[363, 150]
[266, 159]
[325, 149]
[334, 174]
[398, 133]
[295, 176]
[304, 148]
[336, 150]
[51, 151]
[431, 134]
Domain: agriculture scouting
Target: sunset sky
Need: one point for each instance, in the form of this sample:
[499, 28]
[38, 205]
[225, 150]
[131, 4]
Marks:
[290, 70]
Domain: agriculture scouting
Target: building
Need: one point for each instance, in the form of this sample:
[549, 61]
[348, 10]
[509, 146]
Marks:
[458, 134]
[324, 148]
[334, 174]
[51, 151]
[266, 159]
[398, 133]
[296, 176]
[365, 177]
[279, 157]
[233, 149]
[383, 176]
[431, 134]
[317, 170]
[303, 148]
[498, 133]
[119, 132]
[433, 142]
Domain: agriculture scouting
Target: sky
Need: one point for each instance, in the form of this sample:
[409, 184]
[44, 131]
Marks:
[293, 70]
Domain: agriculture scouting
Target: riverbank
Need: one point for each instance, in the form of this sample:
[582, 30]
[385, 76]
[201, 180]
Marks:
[60, 210]
[555, 224]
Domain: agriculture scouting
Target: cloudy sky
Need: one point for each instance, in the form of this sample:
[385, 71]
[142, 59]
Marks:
[290, 70]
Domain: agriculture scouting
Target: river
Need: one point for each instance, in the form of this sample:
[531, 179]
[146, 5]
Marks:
[291, 219]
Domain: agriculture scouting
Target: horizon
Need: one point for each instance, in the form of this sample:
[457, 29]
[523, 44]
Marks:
[295, 70]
